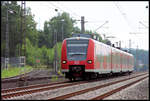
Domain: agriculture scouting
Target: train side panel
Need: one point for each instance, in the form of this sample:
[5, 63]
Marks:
[89, 67]
[115, 61]
[64, 66]
[131, 63]
[102, 58]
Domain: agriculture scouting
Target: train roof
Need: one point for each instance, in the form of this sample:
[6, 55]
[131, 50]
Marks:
[112, 47]
[77, 38]
[100, 43]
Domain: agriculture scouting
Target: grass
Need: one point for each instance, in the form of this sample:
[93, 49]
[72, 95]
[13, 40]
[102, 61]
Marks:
[54, 78]
[13, 71]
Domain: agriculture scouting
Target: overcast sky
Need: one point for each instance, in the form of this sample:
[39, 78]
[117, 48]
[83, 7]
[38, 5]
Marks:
[123, 18]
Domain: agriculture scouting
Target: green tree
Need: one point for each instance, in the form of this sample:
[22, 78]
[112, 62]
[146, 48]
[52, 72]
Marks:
[57, 26]
[13, 28]
[15, 35]
[76, 30]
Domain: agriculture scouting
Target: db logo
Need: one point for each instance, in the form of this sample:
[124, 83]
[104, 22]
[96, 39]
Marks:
[76, 62]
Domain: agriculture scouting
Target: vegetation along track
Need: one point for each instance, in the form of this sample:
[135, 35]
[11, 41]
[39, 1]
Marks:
[10, 93]
[99, 87]
[29, 78]
[25, 75]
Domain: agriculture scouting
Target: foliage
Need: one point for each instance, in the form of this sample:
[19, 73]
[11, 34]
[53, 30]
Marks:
[54, 78]
[99, 36]
[14, 22]
[45, 55]
[58, 53]
[76, 30]
[13, 26]
[142, 57]
[40, 44]
[13, 71]
[59, 27]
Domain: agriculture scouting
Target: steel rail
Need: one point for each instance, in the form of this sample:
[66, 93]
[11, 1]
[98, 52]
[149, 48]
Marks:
[20, 93]
[29, 87]
[90, 89]
[39, 89]
[117, 89]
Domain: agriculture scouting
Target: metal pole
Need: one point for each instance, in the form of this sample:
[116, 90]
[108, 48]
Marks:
[62, 32]
[22, 47]
[82, 24]
[104, 36]
[7, 39]
[55, 54]
[24, 31]
[120, 44]
[136, 58]
[21, 32]
[129, 45]
[117, 44]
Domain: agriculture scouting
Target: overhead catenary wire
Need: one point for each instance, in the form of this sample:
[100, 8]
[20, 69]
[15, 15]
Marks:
[57, 7]
[73, 13]
[76, 14]
[61, 7]
[122, 12]
[69, 10]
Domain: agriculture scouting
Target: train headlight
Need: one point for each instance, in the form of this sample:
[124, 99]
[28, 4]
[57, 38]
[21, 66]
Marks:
[89, 61]
[64, 61]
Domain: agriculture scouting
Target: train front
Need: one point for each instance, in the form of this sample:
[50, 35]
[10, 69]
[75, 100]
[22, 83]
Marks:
[77, 56]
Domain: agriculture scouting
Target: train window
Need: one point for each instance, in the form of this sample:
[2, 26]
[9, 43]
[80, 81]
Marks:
[123, 60]
[94, 37]
[77, 49]
[130, 59]
[113, 59]
[77, 45]
[118, 60]
[126, 61]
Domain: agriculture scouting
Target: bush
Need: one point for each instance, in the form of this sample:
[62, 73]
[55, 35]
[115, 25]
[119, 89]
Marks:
[44, 54]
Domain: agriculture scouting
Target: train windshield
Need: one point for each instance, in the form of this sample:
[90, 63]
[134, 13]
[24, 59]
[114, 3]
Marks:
[77, 49]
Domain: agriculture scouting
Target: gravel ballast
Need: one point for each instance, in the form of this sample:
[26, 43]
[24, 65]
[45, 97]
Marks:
[62, 91]
[95, 93]
[138, 91]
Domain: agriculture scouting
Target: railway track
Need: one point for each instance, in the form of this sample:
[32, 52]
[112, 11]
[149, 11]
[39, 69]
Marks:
[39, 88]
[117, 90]
[4, 91]
[11, 93]
[38, 85]
[30, 75]
[25, 75]
[14, 78]
[99, 87]
[29, 78]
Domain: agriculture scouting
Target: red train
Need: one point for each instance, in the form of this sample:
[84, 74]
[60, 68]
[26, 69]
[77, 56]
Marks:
[85, 57]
